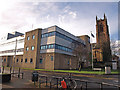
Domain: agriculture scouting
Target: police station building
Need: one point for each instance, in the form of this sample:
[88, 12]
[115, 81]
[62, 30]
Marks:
[48, 48]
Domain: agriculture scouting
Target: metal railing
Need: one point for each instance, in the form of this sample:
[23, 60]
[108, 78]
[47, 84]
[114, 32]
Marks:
[18, 74]
[55, 82]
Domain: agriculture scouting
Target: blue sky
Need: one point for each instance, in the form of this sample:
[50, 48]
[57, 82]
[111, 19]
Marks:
[78, 18]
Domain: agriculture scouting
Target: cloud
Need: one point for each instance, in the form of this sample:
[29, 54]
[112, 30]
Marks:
[76, 18]
[73, 14]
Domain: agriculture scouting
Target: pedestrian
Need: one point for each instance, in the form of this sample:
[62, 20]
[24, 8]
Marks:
[63, 84]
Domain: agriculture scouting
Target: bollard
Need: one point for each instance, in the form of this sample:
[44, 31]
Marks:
[86, 85]
[3, 70]
[39, 83]
[13, 72]
[34, 83]
[10, 69]
[101, 86]
[50, 83]
[19, 73]
[22, 75]
[81, 86]
[60, 81]
[46, 81]
[57, 82]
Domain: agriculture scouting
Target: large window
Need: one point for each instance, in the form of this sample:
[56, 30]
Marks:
[61, 36]
[56, 46]
[31, 60]
[50, 46]
[32, 47]
[48, 34]
[41, 61]
[26, 60]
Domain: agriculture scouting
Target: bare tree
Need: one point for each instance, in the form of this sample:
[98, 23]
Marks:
[80, 52]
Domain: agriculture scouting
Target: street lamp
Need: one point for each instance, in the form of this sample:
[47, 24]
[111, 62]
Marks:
[15, 55]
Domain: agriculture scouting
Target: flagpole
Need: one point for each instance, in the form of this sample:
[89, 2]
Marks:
[92, 50]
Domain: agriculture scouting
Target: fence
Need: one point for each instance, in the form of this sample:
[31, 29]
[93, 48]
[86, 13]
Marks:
[55, 82]
[18, 74]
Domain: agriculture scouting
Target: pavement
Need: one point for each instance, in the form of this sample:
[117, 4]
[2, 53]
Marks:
[27, 83]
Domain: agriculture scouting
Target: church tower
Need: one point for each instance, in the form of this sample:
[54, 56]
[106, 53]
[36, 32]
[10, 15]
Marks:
[102, 38]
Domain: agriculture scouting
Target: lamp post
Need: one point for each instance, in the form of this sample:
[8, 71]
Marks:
[15, 55]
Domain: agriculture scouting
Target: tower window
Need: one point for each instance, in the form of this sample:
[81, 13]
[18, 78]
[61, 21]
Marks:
[101, 28]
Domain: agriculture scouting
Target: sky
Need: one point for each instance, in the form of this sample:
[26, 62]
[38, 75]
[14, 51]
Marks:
[78, 18]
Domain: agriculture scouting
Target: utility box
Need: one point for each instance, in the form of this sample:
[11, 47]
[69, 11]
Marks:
[107, 69]
[35, 76]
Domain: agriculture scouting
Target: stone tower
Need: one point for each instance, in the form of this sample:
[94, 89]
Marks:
[102, 38]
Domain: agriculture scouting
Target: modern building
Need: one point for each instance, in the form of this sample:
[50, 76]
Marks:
[101, 49]
[48, 48]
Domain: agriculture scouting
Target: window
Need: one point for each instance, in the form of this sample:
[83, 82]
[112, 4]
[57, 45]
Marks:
[21, 60]
[4, 60]
[28, 38]
[40, 61]
[33, 36]
[32, 48]
[31, 60]
[51, 58]
[68, 62]
[26, 60]
[17, 60]
[27, 48]
[95, 53]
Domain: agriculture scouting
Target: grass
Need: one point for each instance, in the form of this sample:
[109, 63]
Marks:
[83, 71]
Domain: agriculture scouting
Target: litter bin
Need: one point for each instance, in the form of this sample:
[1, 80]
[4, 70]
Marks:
[107, 69]
[35, 76]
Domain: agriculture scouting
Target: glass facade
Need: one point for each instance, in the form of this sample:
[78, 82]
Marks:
[55, 46]
[55, 33]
